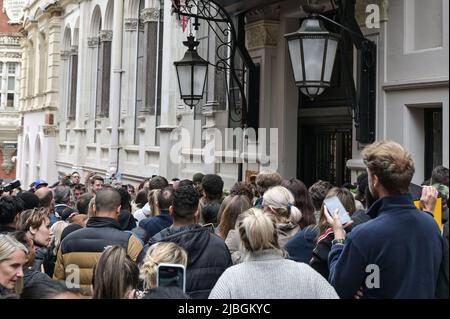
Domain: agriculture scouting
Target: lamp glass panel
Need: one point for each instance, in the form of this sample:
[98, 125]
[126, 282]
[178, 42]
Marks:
[200, 72]
[313, 51]
[296, 58]
[329, 62]
[184, 75]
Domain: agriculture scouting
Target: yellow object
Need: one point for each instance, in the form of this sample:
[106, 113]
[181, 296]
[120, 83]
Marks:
[437, 213]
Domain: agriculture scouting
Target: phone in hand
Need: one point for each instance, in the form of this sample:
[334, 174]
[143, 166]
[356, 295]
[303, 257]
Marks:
[169, 275]
[333, 203]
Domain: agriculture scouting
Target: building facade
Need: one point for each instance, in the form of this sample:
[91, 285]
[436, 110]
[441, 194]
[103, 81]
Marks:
[10, 58]
[99, 92]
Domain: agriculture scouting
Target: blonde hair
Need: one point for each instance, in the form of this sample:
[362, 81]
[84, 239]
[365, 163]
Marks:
[391, 163]
[57, 229]
[152, 198]
[32, 218]
[257, 231]
[8, 245]
[91, 212]
[160, 253]
[280, 202]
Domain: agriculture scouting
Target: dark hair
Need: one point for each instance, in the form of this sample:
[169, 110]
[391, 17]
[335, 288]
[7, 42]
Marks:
[126, 220]
[30, 200]
[61, 194]
[241, 188]
[440, 175]
[141, 198]
[185, 182]
[125, 199]
[114, 274]
[165, 198]
[107, 200]
[9, 208]
[165, 293]
[362, 182]
[83, 203]
[46, 289]
[46, 198]
[210, 212]
[158, 182]
[318, 191]
[66, 212]
[185, 202]
[212, 185]
[302, 199]
[80, 187]
[97, 178]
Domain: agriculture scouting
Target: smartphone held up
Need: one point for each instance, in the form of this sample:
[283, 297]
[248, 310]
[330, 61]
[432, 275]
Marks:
[333, 203]
[171, 275]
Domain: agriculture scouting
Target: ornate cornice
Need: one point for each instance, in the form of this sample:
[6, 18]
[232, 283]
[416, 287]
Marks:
[150, 15]
[106, 36]
[131, 24]
[11, 55]
[266, 13]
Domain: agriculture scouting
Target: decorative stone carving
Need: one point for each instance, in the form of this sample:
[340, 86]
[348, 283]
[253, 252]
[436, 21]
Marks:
[49, 130]
[262, 34]
[266, 13]
[65, 55]
[8, 150]
[74, 50]
[106, 35]
[93, 42]
[150, 15]
[12, 55]
[360, 10]
[131, 24]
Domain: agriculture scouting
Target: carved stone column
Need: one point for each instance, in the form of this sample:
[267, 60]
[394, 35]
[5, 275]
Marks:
[131, 25]
[93, 42]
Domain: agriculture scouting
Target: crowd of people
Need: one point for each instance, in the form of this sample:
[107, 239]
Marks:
[268, 238]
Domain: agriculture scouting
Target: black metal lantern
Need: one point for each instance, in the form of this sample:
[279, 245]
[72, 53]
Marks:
[312, 50]
[191, 73]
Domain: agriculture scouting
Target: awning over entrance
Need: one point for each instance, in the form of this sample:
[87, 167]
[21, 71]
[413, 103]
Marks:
[237, 6]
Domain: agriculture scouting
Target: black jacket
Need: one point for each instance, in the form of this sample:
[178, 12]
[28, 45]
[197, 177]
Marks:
[208, 256]
[319, 260]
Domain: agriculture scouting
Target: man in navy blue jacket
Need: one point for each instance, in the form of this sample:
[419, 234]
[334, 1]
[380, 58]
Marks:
[399, 253]
[155, 224]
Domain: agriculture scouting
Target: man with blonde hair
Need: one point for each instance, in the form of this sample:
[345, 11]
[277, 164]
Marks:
[397, 254]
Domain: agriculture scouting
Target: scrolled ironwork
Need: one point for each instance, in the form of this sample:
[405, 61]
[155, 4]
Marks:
[220, 22]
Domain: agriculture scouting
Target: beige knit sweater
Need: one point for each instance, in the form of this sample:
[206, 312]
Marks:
[270, 276]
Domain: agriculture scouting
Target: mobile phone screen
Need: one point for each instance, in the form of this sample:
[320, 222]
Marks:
[334, 203]
[171, 275]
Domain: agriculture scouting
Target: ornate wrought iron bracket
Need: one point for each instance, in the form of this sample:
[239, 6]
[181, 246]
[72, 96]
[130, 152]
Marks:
[220, 22]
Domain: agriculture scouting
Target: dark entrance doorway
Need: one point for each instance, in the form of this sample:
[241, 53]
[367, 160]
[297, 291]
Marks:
[325, 150]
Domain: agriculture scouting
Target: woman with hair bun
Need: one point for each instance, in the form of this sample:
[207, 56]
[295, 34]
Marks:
[264, 272]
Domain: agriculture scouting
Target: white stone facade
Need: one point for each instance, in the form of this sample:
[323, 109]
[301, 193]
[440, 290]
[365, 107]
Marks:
[59, 136]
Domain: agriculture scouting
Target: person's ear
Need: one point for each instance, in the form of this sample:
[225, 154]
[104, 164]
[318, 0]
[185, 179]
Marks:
[171, 210]
[32, 231]
[118, 209]
[375, 180]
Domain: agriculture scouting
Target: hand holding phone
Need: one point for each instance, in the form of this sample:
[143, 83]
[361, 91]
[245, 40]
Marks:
[171, 275]
[333, 203]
